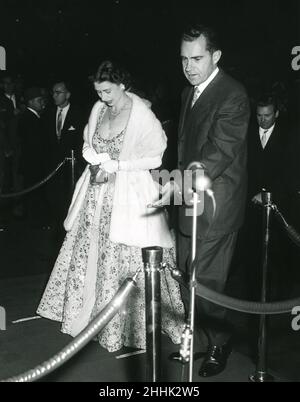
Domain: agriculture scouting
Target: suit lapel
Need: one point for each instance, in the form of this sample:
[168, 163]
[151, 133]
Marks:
[52, 122]
[273, 140]
[203, 100]
[207, 93]
[258, 141]
[190, 116]
[186, 103]
[66, 122]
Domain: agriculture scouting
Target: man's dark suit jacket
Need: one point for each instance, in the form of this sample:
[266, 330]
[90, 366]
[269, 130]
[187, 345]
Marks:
[10, 121]
[71, 135]
[33, 148]
[214, 133]
[292, 181]
[6, 107]
[266, 167]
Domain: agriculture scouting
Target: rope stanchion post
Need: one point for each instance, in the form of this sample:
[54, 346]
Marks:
[261, 373]
[152, 259]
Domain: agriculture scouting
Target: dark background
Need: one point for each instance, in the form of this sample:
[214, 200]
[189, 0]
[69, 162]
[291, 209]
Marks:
[47, 39]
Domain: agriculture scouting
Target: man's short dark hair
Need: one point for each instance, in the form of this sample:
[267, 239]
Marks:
[193, 32]
[66, 84]
[267, 100]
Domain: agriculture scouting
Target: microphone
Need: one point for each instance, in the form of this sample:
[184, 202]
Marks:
[200, 180]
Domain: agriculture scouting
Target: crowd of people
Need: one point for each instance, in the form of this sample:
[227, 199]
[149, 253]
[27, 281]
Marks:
[34, 142]
[108, 221]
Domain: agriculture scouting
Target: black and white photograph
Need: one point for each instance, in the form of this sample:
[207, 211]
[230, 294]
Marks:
[149, 193]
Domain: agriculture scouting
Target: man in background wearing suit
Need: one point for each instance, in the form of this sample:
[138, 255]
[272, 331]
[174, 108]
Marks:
[10, 109]
[33, 151]
[212, 130]
[64, 128]
[2, 165]
[268, 140]
[64, 124]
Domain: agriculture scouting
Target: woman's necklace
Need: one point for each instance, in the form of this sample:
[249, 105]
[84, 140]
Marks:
[113, 114]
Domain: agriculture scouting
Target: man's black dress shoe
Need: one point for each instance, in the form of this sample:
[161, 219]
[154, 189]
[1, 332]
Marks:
[215, 360]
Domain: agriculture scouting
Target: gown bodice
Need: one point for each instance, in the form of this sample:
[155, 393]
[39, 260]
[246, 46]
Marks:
[111, 146]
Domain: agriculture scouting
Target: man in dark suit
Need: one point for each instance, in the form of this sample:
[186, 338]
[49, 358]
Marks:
[268, 139]
[10, 109]
[267, 142]
[2, 165]
[64, 129]
[33, 150]
[64, 124]
[2, 150]
[292, 210]
[212, 130]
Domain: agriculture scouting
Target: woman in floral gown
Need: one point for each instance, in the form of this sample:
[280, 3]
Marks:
[108, 222]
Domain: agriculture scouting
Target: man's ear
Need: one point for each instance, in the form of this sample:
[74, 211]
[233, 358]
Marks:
[216, 56]
[277, 114]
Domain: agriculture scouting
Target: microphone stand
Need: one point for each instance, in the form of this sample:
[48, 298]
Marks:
[199, 183]
[187, 345]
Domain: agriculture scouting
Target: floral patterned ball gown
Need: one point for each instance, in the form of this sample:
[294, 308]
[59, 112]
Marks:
[90, 269]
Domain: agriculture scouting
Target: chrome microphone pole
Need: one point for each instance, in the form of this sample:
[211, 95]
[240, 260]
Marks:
[200, 183]
[193, 284]
[187, 343]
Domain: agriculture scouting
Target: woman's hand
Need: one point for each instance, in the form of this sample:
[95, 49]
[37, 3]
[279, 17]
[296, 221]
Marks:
[110, 166]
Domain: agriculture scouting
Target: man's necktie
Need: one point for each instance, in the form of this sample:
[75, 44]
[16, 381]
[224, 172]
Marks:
[264, 139]
[59, 124]
[196, 95]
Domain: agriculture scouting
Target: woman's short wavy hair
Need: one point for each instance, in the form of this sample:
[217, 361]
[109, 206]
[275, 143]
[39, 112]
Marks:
[112, 72]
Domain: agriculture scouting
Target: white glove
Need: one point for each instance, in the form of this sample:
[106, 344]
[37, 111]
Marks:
[91, 156]
[110, 166]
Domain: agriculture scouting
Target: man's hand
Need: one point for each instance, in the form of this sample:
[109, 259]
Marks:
[167, 192]
[257, 199]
